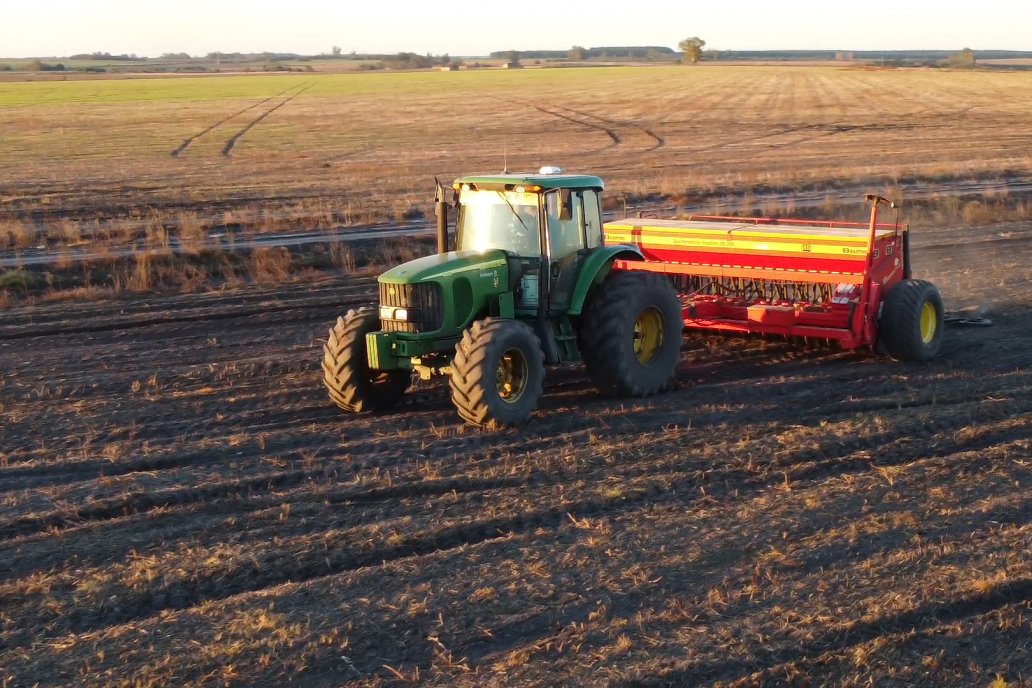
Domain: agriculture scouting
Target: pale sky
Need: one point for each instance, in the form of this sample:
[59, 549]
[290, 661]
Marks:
[66, 27]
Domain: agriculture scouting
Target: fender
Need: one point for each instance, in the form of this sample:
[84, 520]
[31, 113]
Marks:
[595, 268]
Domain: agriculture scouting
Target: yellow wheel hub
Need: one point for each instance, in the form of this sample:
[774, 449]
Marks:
[511, 375]
[929, 322]
[648, 334]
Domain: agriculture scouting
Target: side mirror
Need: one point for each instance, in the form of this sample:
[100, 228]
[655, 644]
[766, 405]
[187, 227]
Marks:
[565, 205]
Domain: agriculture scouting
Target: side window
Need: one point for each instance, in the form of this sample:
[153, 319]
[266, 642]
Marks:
[592, 220]
[565, 237]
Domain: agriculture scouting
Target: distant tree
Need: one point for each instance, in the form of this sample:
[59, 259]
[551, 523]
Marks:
[336, 50]
[406, 60]
[692, 49]
[34, 66]
[513, 58]
[964, 59]
[577, 54]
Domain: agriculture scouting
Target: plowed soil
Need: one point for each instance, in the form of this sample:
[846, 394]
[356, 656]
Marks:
[182, 506]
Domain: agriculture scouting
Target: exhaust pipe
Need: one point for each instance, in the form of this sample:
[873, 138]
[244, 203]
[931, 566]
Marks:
[441, 208]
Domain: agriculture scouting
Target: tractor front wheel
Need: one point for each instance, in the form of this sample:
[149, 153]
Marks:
[497, 373]
[630, 337]
[911, 323]
[350, 382]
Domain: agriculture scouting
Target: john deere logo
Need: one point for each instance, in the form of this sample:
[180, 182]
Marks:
[492, 275]
[392, 291]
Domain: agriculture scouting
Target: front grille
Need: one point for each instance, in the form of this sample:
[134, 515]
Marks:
[423, 301]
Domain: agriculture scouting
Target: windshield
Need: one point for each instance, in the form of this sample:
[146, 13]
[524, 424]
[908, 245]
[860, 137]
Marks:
[498, 219]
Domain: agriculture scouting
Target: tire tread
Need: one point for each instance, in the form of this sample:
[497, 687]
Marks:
[618, 302]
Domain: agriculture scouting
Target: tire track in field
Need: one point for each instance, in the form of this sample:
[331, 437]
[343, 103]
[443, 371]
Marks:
[611, 133]
[807, 465]
[428, 400]
[846, 123]
[353, 286]
[609, 127]
[63, 328]
[296, 566]
[232, 140]
[659, 140]
[356, 551]
[187, 141]
[614, 137]
[769, 664]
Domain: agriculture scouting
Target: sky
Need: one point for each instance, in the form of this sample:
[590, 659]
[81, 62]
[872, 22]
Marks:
[66, 27]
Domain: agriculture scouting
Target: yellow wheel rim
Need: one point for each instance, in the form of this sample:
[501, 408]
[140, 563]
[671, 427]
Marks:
[648, 334]
[511, 375]
[929, 323]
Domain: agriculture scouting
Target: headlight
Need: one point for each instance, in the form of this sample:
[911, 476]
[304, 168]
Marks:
[391, 313]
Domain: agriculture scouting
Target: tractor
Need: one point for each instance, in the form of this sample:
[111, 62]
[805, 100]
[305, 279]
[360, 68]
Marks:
[529, 284]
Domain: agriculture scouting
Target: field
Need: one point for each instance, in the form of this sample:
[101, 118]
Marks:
[117, 158]
[180, 505]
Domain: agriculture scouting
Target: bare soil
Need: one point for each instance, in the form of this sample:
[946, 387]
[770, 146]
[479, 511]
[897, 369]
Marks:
[181, 505]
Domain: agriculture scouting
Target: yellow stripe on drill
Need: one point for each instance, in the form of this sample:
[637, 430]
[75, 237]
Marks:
[767, 245]
[750, 230]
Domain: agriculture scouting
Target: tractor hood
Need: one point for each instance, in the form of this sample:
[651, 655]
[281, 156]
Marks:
[487, 266]
[439, 296]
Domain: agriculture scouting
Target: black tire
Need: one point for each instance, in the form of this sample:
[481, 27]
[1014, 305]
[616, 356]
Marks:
[614, 350]
[911, 324]
[351, 384]
[497, 373]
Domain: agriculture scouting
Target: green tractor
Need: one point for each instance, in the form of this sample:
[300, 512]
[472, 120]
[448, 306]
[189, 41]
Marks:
[529, 284]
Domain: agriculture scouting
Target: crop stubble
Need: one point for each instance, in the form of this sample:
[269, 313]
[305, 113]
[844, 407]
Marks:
[370, 142]
[182, 505]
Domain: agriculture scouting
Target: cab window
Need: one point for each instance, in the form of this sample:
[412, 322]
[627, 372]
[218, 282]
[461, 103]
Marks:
[565, 237]
[592, 220]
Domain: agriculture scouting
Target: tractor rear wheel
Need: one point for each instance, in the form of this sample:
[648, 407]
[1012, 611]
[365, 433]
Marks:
[351, 384]
[630, 337]
[497, 373]
[911, 323]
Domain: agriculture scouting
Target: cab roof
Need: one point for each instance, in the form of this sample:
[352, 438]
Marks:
[544, 181]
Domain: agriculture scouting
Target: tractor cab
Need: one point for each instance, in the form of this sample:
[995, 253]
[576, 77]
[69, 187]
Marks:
[547, 221]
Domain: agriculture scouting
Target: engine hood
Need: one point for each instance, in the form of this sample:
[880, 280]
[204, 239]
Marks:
[447, 265]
